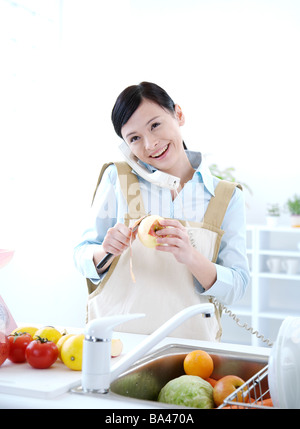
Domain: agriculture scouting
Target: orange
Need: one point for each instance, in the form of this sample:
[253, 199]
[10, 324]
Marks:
[198, 362]
[211, 381]
[266, 402]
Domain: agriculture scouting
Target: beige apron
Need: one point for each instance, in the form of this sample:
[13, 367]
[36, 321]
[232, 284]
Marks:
[163, 286]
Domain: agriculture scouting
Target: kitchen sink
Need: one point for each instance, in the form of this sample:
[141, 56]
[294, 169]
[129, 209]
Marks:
[144, 380]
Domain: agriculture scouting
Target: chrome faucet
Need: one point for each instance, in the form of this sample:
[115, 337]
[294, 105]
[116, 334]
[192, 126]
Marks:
[96, 371]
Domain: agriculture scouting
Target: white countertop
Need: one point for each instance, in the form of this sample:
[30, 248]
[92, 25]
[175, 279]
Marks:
[79, 401]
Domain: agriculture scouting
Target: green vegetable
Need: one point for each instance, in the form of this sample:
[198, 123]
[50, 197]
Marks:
[188, 390]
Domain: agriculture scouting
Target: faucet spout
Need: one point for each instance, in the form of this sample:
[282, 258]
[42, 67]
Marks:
[96, 372]
[206, 309]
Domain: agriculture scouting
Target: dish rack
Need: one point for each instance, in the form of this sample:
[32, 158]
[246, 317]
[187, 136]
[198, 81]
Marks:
[256, 387]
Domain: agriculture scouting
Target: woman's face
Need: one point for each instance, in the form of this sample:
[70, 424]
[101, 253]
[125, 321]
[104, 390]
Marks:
[153, 135]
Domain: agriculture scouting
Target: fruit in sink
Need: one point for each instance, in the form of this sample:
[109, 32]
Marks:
[147, 230]
[116, 347]
[189, 391]
[227, 385]
[266, 402]
[211, 381]
[198, 362]
[49, 332]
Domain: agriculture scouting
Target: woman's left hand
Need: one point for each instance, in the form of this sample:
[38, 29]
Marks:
[176, 241]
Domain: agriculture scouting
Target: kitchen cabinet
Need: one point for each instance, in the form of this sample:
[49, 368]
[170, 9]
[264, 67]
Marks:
[274, 290]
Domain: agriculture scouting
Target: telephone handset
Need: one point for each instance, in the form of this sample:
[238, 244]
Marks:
[159, 178]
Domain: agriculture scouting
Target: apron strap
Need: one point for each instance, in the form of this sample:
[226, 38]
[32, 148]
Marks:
[104, 167]
[130, 188]
[218, 204]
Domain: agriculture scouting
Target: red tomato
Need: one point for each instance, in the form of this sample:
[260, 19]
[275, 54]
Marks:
[41, 353]
[17, 346]
[4, 348]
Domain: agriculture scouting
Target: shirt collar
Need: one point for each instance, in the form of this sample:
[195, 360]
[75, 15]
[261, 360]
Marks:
[199, 166]
[202, 169]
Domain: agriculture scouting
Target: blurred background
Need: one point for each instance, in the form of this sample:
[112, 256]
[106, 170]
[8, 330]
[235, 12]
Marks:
[232, 66]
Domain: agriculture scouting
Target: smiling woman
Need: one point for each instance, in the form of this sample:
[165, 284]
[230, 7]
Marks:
[190, 263]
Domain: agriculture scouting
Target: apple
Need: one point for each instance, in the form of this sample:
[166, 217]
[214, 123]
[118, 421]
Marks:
[4, 347]
[116, 347]
[225, 386]
[147, 230]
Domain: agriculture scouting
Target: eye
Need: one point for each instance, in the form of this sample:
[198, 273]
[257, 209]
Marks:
[134, 139]
[155, 125]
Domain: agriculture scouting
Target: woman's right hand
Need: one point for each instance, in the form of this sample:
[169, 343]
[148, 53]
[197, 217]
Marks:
[117, 239]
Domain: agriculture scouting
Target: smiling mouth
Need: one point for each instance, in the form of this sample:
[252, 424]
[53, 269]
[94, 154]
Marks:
[160, 153]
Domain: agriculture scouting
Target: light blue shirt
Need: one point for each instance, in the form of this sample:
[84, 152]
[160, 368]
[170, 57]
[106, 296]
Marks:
[110, 207]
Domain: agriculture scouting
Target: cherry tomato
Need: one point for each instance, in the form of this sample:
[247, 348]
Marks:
[41, 353]
[17, 346]
[4, 348]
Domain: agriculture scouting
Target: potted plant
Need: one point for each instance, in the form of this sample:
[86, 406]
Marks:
[293, 205]
[227, 174]
[273, 214]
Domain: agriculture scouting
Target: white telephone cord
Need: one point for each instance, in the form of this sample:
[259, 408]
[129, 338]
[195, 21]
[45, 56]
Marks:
[242, 325]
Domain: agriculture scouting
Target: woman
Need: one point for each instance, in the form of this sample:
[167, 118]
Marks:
[193, 263]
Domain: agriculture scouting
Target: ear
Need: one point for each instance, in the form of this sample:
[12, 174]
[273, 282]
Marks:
[179, 115]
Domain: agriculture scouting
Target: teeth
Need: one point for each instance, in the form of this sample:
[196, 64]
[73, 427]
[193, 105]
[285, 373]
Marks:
[160, 153]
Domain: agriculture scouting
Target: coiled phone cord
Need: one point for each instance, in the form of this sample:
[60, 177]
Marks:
[242, 325]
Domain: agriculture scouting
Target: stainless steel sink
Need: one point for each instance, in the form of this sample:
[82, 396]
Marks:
[144, 380]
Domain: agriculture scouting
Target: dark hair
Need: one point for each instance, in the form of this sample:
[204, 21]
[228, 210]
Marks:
[130, 99]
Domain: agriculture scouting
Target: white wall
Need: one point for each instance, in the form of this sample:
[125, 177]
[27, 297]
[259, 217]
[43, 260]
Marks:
[234, 68]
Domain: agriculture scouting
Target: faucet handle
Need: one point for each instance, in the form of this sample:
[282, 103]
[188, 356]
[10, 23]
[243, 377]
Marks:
[101, 329]
[97, 351]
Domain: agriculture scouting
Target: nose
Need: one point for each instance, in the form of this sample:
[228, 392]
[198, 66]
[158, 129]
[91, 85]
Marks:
[150, 142]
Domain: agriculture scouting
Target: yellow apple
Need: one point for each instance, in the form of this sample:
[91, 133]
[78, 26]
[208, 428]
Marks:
[147, 230]
[116, 347]
[225, 386]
